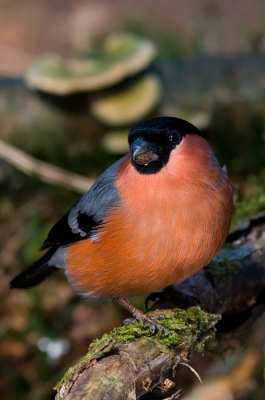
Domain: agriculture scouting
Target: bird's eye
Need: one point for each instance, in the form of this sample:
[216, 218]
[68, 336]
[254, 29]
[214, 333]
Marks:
[175, 137]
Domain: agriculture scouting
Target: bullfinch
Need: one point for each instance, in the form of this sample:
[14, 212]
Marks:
[155, 217]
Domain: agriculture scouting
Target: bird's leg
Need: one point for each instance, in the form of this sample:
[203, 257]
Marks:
[141, 317]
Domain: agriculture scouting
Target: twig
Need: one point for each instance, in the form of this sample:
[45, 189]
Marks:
[192, 369]
[234, 385]
[45, 172]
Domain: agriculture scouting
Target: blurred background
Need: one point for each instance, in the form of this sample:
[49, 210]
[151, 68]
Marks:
[74, 77]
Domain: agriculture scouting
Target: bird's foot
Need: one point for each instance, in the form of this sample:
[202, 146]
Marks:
[149, 321]
[141, 317]
[153, 324]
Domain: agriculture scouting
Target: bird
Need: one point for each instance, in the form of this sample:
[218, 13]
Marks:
[155, 217]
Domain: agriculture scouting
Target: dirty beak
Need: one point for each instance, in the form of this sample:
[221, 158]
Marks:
[144, 152]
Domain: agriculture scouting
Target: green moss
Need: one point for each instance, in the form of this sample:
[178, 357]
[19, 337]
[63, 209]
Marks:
[224, 269]
[184, 326]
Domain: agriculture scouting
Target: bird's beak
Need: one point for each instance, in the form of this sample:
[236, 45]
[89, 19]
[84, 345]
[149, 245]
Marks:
[144, 152]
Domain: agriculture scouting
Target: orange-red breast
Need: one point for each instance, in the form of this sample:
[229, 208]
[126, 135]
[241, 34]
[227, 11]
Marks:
[155, 217]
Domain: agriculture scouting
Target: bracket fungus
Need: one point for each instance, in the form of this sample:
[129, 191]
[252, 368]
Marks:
[122, 56]
[113, 84]
[129, 104]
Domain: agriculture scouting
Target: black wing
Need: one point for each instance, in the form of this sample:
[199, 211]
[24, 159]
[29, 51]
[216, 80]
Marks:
[88, 214]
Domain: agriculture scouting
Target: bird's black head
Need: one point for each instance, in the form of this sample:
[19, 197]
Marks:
[151, 142]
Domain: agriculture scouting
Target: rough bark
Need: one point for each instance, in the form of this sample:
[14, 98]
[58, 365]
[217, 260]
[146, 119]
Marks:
[231, 286]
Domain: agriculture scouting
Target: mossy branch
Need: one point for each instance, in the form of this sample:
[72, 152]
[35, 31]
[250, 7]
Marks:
[130, 361]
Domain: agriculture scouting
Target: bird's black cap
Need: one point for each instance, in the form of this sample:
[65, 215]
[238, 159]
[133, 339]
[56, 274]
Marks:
[166, 123]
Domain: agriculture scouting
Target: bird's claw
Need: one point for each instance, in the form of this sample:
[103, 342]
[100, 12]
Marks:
[151, 322]
[155, 326]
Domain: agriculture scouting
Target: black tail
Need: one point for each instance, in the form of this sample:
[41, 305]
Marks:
[36, 273]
